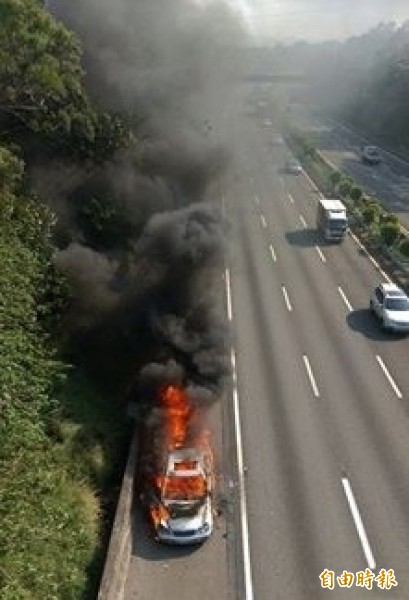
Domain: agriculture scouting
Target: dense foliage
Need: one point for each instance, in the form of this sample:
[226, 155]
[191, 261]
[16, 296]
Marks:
[364, 79]
[41, 85]
[59, 437]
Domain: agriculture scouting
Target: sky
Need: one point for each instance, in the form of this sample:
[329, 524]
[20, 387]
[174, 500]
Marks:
[315, 20]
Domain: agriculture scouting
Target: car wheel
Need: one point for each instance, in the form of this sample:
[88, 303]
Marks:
[371, 308]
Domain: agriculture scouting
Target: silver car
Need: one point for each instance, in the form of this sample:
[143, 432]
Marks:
[184, 514]
[391, 305]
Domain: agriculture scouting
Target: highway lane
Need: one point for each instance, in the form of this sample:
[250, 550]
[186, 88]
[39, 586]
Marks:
[389, 181]
[318, 413]
[300, 446]
[162, 572]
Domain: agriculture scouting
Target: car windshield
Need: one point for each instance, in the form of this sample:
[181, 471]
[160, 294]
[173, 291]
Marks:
[397, 304]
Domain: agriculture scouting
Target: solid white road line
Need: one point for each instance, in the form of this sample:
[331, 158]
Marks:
[371, 258]
[311, 376]
[353, 236]
[263, 221]
[313, 185]
[273, 254]
[228, 296]
[291, 199]
[320, 254]
[233, 365]
[286, 299]
[303, 221]
[248, 580]
[389, 377]
[345, 299]
[359, 526]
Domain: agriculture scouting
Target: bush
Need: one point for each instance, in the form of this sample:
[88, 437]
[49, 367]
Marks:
[370, 213]
[404, 248]
[335, 178]
[344, 187]
[390, 219]
[389, 233]
[356, 193]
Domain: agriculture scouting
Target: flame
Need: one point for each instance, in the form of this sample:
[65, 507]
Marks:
[178, 411]
[192, 487]
[183, 427]
[159, 514]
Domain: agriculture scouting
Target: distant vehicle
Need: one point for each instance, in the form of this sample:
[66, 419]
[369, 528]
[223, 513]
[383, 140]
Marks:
[332, 219]
[391, 305]
[182, 513]
[277, 139]
[370, 155]
[293, 167]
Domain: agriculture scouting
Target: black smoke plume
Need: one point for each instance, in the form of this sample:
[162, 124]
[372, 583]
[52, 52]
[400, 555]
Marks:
[142, 273]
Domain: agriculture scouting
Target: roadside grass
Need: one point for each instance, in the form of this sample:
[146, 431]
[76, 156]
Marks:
[93, 433]
[59, 493]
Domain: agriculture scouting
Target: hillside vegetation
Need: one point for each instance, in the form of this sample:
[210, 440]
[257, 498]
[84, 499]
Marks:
[61, 439]
[364, 79]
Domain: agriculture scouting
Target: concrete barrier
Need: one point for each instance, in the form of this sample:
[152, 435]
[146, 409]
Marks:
[120, 544]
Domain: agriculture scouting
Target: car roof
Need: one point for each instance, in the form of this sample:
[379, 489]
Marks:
[391, 289]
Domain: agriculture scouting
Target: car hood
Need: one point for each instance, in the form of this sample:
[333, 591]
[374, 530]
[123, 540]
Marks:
[180, 522]
[398, 316]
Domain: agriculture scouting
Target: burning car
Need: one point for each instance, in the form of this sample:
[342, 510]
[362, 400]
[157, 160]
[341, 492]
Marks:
[183, 512]
[176, 469]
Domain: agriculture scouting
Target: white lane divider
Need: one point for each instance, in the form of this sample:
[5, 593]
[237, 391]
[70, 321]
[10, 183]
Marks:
[389, 377]
[345, 299]
[248, 579]
[291, 199]
[303, 222]
[273, 254]
[228, 295]
[320, 254]
[359, 526]
[286, 298]
[263, 221]
[311, 376]
[371, 258]
[256, 199]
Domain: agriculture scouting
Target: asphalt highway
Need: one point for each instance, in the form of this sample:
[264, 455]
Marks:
[322, 390]
[388, 181]
[313, 435]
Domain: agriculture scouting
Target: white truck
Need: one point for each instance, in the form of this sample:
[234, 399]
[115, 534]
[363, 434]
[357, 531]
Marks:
[332, 221]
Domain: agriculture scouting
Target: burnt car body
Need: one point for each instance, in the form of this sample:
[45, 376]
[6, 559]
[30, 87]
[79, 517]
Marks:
[180, 498]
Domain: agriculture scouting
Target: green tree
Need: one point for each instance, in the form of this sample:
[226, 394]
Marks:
[389, 233]
[335, 178]
[356, 193]
[41, 84]
[344, 187]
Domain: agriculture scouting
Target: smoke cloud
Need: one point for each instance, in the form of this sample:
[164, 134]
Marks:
[140, 238]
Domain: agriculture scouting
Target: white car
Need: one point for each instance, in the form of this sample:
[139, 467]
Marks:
[184, 513]
[370, 155]
[293, 167]
[391, 305]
